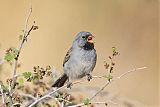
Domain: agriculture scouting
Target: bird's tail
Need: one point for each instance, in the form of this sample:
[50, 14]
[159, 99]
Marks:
[60, 81]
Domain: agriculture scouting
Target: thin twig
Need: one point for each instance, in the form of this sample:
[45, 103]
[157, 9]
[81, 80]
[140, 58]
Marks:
[25, 35]
[54, 91]
[19, 51]
[108, 82]
[3, 98]
[98, 76]
[56, 99]
[60, 99]
[119, 77]
[51, 93]
[82, 104]
[10, 95]
[62, 104]
[125, 73]
[28, 95]
[27, 20]
[15, 104]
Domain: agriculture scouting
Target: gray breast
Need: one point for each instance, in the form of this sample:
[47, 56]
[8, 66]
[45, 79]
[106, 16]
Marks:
[80, 63]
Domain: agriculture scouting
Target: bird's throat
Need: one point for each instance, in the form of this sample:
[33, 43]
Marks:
[88, 46]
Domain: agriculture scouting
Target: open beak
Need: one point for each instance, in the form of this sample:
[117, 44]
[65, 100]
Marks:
[90, 39]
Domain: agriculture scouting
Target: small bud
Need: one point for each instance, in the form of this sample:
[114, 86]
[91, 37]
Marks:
[111, 70]
[113, 63]
[39, 94]
[42, 73]
[106, 66]
[35, 27]
[48, 67]
[110, 57]
[49, 73]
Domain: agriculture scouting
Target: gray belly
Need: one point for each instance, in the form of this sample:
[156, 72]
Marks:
[80, 65]
[77, 69]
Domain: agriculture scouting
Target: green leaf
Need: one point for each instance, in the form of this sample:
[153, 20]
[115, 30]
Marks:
[113, 49]
[11, 54]
[28, 76]
[115, 52]
[9, 57]
[20, 37]
[109, 77]
[87, 102]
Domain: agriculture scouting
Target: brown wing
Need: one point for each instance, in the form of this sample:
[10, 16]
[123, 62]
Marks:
[67, 56]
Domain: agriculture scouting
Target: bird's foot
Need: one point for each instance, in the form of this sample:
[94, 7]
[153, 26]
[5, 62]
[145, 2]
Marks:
[89, 77]
[69, 85]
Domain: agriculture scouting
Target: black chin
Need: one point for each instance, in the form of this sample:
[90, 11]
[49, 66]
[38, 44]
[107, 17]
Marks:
[88, 46]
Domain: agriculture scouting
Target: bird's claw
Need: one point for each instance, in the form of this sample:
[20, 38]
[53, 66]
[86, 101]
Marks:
[89, 77]
[69, 85]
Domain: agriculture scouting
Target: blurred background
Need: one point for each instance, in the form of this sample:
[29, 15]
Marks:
[129, 25]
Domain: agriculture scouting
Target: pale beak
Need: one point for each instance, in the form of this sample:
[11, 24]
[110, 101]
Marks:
[90, 39]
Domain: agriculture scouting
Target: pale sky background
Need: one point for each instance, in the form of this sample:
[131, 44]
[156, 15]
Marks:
[129, 25]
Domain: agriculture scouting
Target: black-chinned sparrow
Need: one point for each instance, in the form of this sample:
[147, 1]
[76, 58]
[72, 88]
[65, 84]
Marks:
[80, 60]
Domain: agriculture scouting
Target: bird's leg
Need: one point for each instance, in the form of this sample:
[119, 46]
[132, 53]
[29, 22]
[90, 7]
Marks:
[89, 77]
[69, 83]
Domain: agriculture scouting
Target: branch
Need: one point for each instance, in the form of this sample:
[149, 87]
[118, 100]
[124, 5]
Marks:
[119, 77]
[80, 81]
[17, 104]
[82, 104]
[2, 94]
[27, 20]
[51, 93]
[19, 51]
[11, 86]
[108, 82]
[27, 95]
[26, 33]
[125, 73]
[100, 90]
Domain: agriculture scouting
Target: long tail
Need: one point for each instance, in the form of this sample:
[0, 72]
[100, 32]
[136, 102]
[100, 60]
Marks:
[60, 81]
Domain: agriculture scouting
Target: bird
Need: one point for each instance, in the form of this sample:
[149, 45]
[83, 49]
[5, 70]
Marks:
[79, 61]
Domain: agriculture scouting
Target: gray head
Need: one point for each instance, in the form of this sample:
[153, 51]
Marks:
[84, 40]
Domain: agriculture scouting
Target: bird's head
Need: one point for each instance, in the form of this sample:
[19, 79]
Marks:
[84, 40]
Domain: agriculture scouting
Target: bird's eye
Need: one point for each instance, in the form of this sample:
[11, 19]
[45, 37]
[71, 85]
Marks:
[83, 37]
